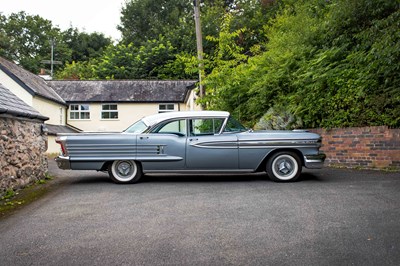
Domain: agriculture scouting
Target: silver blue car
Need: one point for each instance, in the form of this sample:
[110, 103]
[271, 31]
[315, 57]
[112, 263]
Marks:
[191, 142]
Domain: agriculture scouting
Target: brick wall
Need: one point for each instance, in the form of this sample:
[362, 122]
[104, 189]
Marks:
[365, 147]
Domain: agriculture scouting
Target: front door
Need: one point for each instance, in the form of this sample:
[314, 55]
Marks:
[206, 149]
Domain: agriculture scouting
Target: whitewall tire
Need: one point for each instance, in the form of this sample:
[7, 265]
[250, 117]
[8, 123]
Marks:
[125, 172]
[284, 166]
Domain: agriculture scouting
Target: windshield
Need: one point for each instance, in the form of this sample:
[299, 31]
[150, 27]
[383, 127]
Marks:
[234, 126]
[137, 127]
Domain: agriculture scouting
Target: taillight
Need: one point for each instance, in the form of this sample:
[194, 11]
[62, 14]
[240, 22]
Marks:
[61, 141]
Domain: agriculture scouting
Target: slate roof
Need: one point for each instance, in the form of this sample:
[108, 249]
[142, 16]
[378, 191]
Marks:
[12, 105]
[34, 84]
[139, 91]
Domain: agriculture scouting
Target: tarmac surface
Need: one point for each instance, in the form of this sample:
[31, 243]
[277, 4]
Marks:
[329, 217]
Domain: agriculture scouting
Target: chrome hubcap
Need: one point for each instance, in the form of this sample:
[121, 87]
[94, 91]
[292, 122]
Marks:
[285, 167]
[124, 169]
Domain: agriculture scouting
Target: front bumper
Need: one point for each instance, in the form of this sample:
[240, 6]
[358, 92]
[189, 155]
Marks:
[63, 162]
[314, 161]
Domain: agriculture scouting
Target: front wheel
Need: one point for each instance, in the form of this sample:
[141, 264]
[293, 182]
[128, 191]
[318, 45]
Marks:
[125, 172]
[284, 166]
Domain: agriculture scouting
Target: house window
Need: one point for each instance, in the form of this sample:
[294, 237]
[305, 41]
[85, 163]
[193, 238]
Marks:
[79, 111]
[166, 107]
[109, 111]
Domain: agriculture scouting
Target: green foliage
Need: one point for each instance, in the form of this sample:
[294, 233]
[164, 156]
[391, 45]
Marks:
[148, 61]
[332, 63]
[8, 194]
[146, 20]
[155, 59]
[352, 81]
[85, 46]
[27, 40]
[77, 71]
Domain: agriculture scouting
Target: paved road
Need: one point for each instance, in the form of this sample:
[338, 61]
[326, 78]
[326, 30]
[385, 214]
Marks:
[330, 217]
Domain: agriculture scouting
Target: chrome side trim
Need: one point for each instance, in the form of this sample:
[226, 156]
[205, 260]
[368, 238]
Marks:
[216, 145]
[278, 143]
[197, 171]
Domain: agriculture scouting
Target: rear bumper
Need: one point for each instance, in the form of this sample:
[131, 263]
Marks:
[63, 162]
[315, 161]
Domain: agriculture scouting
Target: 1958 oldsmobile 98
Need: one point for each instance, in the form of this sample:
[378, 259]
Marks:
[191, 142]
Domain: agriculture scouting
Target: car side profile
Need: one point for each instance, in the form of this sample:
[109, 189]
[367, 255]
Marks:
[191, 142]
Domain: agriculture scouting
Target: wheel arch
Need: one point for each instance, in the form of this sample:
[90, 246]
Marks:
[107, 164]
[261, 166]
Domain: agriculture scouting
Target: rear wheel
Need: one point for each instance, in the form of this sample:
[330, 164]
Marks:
[284, 166]
[125, 172]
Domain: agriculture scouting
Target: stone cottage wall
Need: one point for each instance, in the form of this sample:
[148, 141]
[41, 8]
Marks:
[22, 152]
[362, 147]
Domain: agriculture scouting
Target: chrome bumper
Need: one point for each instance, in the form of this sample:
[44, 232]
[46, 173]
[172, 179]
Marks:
[315, 161]
[63, 162]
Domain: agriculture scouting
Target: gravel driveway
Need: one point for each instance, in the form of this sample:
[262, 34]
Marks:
[329, 217]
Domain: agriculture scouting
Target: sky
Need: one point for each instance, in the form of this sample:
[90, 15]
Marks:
[89, 16]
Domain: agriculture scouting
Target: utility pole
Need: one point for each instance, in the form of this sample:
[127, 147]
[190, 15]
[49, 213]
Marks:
[199, 41]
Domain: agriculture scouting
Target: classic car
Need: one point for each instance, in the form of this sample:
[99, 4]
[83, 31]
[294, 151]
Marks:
[191, 142]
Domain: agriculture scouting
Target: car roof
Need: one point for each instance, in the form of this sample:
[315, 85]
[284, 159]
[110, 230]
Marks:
[154, 119]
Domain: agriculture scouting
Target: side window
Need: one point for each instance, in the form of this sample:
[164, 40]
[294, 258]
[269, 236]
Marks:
[234, 126]
[205, 126]
[177, 127]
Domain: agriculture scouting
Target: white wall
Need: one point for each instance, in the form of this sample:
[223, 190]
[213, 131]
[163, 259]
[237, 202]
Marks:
[15, 88]
[54, 111]
[52, 146]
[128, 113]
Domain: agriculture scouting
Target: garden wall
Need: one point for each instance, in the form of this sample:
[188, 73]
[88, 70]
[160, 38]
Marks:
[22, 152]
[365, 147]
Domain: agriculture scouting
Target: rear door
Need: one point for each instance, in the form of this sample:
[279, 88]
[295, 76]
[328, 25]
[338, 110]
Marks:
[164, 148]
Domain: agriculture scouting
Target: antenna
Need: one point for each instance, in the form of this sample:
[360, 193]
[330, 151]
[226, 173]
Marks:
[51, 62]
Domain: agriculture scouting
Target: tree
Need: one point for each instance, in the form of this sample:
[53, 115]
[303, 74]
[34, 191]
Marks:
[147, 19]
[85, 46]
[149, 61]
[331, 63]
[77, 70]
[27, 40]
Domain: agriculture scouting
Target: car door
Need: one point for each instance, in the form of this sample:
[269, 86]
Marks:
[164, 148]
[206, 149]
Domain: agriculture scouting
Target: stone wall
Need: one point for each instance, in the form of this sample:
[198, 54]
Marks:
[22, 152]
[365, 147]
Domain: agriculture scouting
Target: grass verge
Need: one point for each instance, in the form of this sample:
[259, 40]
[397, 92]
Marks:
[14, 200]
